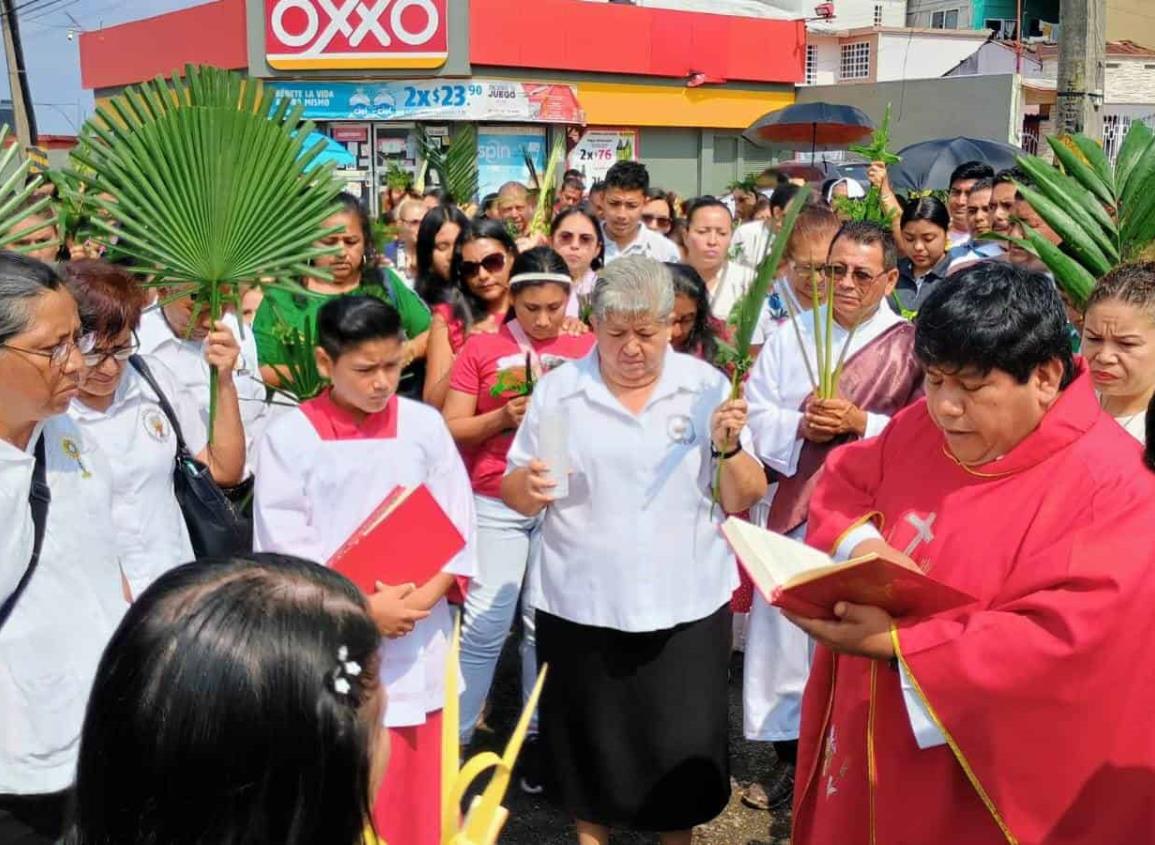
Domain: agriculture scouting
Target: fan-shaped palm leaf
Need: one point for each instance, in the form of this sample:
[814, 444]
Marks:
[455, 165]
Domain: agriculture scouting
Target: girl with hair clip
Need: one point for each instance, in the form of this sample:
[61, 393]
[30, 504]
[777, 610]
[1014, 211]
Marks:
[289, 747]
[354, 269]
[321, 470]
[489, 391]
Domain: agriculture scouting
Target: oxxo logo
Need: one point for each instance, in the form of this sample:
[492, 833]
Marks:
[356, 33]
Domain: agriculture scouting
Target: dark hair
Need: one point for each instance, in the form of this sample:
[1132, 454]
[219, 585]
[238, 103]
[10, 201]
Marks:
[994, 316]
[971, 170]
[585, 212]
[573, 174]
[782, 195]
[22, 279]
[351, 205]
[573, 182]
[700, 203]
[540, 259]
[659, 194]
[109, 298]
[865, 233]
[348, 321]
[598, 187]
[1010, 174]
[1132, 283]
[439, 194]
[813, 221]
[427, 285]
[701, 341]
[987, 183]
[217, 714]
[931, 209]
[628, 176]
[467, 306]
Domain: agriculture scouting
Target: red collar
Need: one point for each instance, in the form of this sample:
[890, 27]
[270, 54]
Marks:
[332, 422]
[1073, 414]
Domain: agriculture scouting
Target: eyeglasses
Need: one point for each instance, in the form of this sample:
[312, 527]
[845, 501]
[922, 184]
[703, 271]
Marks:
[58, 355]
[493, 263]
[97, 357]
[656, 221]
[861, 277]
[567, 238]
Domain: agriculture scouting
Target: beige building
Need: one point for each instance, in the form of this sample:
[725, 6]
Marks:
[1133, 20]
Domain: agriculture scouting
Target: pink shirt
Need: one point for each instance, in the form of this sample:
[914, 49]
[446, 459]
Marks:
[456, 326]
[482, 361]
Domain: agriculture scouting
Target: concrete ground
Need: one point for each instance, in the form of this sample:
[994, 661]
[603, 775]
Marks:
[534, 821]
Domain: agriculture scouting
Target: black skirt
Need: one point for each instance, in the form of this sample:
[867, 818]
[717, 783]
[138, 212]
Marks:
[634, 726]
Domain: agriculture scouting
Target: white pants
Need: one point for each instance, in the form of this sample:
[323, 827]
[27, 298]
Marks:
[506, 540]
[776, 667]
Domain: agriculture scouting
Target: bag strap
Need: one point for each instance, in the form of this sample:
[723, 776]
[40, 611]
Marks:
[146, 374]
[39, 497]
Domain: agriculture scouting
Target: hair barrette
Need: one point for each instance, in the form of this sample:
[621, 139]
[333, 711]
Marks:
[345, 670]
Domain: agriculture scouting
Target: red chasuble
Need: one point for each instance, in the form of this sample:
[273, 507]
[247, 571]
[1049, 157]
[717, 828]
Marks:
[1044, 689]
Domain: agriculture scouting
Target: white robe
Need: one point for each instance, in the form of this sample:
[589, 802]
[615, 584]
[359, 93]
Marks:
[777, 660]
[311, 494]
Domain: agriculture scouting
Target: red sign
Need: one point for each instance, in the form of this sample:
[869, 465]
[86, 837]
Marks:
[363, 34]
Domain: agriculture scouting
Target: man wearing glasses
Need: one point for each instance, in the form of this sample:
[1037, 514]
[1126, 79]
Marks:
[60, 587]
[794, 429]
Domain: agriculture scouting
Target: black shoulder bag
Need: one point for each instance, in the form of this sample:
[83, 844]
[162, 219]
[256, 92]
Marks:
[214, 526]
[38, 498]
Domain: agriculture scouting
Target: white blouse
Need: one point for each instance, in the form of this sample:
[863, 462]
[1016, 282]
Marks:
[635, 546]
[311, 494]
[52, 642]
[151, 535]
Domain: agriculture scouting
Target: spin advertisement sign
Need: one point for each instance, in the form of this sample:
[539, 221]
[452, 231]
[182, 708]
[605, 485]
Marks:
[362, 34]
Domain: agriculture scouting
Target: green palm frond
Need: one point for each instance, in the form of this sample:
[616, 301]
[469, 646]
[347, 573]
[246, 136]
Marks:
[456, 164]
[17, 188]
[547, 189]
[1104, 216]
[870, 208]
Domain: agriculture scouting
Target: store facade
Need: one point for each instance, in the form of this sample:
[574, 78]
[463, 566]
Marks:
[616, 81]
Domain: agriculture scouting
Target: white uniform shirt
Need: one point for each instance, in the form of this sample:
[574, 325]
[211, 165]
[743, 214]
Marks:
[151, 535]
[750, 242]
[52, 642]
[733, 282]
[647, 243]
[780, 382]
[635, 546]
[186, 360]
[971, 252]
[311, 494]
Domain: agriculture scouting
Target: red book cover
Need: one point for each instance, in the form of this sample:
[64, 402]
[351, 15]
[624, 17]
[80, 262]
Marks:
[407, 540]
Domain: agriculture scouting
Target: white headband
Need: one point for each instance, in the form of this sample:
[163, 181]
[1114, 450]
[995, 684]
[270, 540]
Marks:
[527, 278]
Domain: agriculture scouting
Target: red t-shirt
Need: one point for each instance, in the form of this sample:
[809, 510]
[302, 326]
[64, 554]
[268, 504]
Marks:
[456, 326]
[482, 361]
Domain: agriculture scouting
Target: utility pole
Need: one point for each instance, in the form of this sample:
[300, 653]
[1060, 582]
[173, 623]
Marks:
[22, 112]
[1082, 56]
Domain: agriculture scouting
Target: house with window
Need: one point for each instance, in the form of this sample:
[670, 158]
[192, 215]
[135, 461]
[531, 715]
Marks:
[1039, 17]
[884, 53]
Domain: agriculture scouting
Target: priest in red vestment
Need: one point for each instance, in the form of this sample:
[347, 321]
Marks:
[1025, 717]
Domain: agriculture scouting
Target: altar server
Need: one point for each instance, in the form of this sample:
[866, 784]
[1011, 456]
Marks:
[321, 470]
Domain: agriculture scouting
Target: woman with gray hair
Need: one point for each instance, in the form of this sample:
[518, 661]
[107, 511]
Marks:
[631, 588]
[60, 583]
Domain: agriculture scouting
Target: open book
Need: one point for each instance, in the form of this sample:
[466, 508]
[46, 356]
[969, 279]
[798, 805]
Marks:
[804, 581]
[407, 540]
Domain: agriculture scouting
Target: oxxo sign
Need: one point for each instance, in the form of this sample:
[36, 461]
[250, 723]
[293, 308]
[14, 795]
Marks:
[318, 34]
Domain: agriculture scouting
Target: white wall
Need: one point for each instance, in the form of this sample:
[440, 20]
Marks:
[913, 55]
[829, 58]
[1133, 81]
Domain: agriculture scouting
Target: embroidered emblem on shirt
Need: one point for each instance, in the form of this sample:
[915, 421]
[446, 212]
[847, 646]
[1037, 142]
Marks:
[69, 447]
[680, 430]
[157, 426]
[917, 530]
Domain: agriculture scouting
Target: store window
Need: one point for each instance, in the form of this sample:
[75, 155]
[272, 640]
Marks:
[854, 60]
[811, 64]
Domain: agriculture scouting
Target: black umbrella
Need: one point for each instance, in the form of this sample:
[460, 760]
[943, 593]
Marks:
[929, 164]
[824, 126]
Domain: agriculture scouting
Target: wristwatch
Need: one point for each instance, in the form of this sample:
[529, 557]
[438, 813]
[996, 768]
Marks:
[723, 456]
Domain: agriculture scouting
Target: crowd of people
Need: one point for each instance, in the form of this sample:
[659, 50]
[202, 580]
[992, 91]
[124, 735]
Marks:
[983, 429]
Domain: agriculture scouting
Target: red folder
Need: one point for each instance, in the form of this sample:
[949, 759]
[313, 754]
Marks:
[407, 540]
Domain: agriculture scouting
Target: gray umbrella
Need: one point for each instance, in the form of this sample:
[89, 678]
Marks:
[929, 164]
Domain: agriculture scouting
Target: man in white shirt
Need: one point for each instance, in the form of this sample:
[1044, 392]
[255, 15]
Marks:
[752, 240]
[979, 219]
[625, 194]
[168, 333]
[961, 182]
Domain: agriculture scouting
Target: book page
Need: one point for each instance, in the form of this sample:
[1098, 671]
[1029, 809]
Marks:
[776, 557]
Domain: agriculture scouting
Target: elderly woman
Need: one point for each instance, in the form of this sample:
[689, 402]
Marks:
[60, 586]
[633, 582]
[1119, 344]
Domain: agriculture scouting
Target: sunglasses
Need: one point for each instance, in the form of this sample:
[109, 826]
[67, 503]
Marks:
[567, 238]
[493, 263]
[652, 220]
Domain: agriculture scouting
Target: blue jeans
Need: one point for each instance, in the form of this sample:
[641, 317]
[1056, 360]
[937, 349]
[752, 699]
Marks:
[506, 540]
